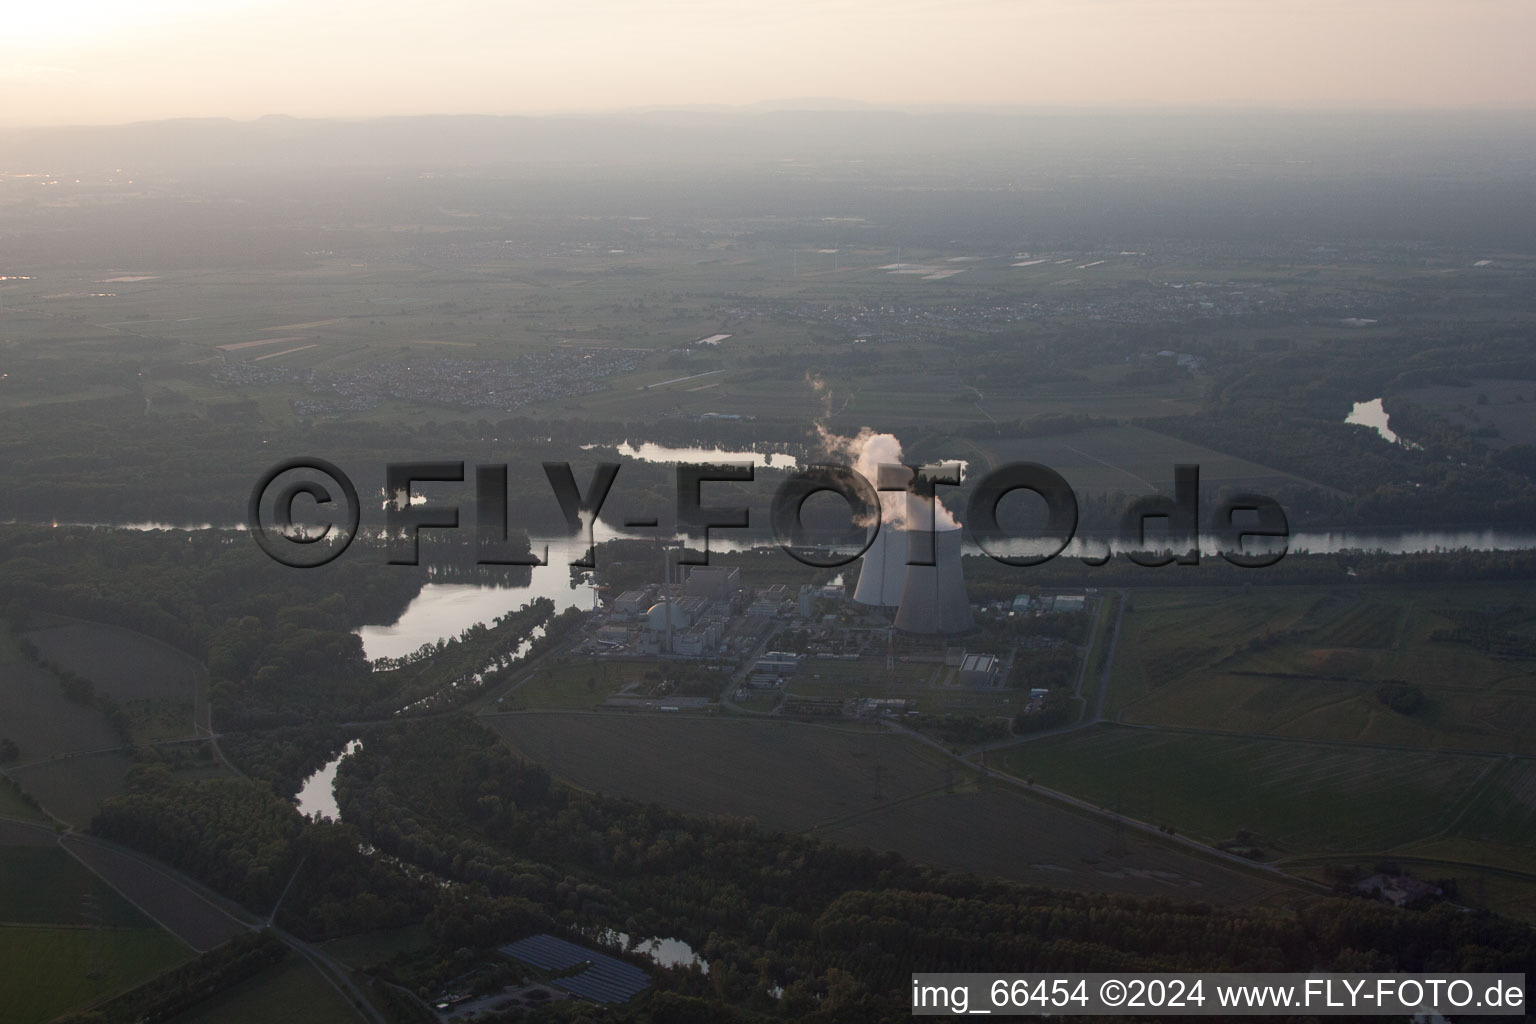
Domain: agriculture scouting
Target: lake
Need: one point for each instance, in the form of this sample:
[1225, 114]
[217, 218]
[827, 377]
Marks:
[317, 796]
[664, 952]
[1374, 415]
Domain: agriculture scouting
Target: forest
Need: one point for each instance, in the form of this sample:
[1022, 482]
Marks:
[486, 849]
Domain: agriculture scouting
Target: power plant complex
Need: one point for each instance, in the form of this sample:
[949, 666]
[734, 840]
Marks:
[928, 599]
[903, 640]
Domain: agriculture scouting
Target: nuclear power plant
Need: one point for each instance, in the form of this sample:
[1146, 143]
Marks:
[704, 637]
[929, 600]
[933, 598]
[883, 570]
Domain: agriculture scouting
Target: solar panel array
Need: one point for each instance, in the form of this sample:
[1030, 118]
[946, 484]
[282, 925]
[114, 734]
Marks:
[605, 980]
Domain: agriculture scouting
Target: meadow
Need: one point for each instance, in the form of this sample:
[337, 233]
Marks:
[1127, 458]
[36, 714]
[293, 992]
[1314, 663]
[1504, 809]
[45, 885]
[1003, 832]
[488, 301]
[156, 685]
[12, 805]
[866, 789]
[928, 684]
[123, 664]
[72, 788]
[46, 971]
[192, 918]
[1295, 798]
[574, 682]
[787, 775]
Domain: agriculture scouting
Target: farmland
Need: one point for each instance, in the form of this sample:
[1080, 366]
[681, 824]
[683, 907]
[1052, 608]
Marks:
[17, 832]
[1128, 458]
[123, 664]
[45, 885]
[928, 683]
[45, 971]
[155, 685]
[292, 991]
[499, 303]
[12, 804]
[367, 949]
[786, 775]
[72, 788]
[1499, 816]
[1294, 797]
[1482, 403]
[172, 903]
[37, 715]
[864, 789]
[70, 759]
[1266, 718]
[1312, 663]
[575, 683]
[1000, 831]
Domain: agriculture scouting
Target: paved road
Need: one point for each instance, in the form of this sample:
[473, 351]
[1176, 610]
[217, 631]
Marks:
[1109, 658]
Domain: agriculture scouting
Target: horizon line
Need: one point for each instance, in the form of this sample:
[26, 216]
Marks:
[813, 105]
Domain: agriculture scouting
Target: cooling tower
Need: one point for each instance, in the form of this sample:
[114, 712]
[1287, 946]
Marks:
[883, 570]
[933, 598]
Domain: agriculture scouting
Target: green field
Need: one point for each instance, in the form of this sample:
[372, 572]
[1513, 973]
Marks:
[1002, 832]
[576, 682]
[863, 789]
[786, 774]
[292, 992]
[123, 664]
[71, 789]
[45, 885]
[371, 948]
[761, 700]
[1295, 798]
[927, 683]
[155, 684]
[339, 316]
[51, 731]
[1309, 662]
[35, 713]
[1126, 458]
[45, 971]
[1504, 810]
[13, 806]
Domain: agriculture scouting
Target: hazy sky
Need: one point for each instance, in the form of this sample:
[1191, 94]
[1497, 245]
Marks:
[91, 61]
